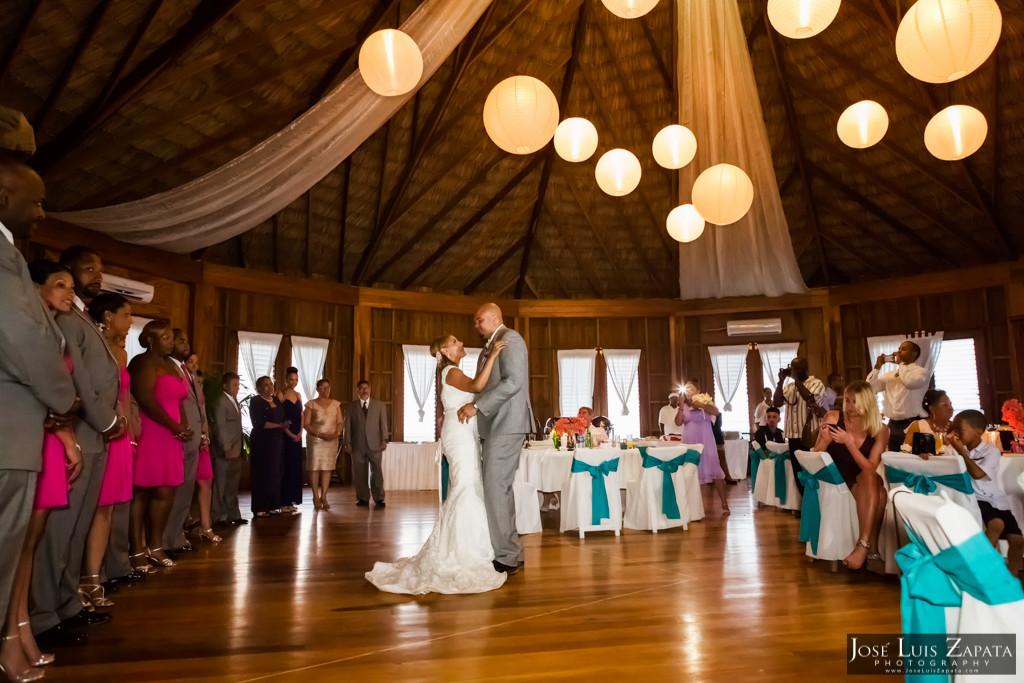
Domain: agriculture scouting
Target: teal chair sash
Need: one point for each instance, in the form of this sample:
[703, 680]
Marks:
[757, 454]
[810, 513]
[780, 474]
[669, 502]
[927, 484]
[445, 477]
[599, 496]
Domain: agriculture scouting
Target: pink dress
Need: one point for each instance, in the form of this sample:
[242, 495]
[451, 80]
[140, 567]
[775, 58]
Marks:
[697, 429]
[52, 482]
[117, 478]
[204, 470]
[161, 458]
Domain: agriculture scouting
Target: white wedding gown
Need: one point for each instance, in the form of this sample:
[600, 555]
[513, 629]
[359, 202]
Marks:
[457, 557]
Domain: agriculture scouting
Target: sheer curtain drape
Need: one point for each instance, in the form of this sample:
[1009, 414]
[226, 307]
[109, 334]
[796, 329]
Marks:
[468, 362]
[775, 357]
[729, 364]
[420, 371]
[309, 355]
[719, 102]
[623, 366]
[930, 345]
[257, 353]
[576, 380]
[131, 342]
[253, 187]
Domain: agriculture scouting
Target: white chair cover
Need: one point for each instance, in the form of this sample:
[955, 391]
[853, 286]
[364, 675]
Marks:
[527, 508]
[577, 496]
[839, 527]
[764, 490]
[644, 495]
[737, 455]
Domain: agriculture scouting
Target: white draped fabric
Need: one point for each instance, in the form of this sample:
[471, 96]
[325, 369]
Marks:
[131, 342]
[728, 362]
[623, 366]
[257, 353]
[575, 380]
[719, 102]
[309, 355]
[253, 187]
[420, 372]
[775, 357]
[930, 347]
[468, 362]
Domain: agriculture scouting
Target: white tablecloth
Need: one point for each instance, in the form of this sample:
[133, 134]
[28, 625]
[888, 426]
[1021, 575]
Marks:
[737, 455]
[410, 467]
[547, 469]
[1010, 467]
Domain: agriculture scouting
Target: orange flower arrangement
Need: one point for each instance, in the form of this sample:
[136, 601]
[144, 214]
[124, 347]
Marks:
[571, 425]
[1013, 415]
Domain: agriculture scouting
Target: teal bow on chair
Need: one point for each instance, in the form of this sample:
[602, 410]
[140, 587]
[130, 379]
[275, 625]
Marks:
[810, 514]
[599, 496]
[930, 583]
[445, 477]
[757, 454]
[669, 502]
[780, 474]
[927, 484]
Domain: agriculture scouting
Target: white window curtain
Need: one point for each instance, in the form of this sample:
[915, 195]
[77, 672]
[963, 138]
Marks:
[930, 348]
[730, 366]
[775, 357]
[576, 380]
[131, 342]
[309, 356]
[257, 354]
[956, 373]
[420, 371]
[623, 366]
[468, 362]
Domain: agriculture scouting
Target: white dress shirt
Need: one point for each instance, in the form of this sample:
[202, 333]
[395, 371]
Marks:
[761, 414]
[986, 456]
[904, 390]
[7, 233]
[667, 418]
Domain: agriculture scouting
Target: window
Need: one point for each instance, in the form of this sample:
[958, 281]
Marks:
[257, 354]
[419, 414]
[131, 342]
[309, 356]
[956, 373]
[730, 367]
[737, 419]
[575, 380]
[623, 390]
[468, 362]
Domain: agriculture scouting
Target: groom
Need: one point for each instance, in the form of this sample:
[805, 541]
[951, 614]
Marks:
[504, 419]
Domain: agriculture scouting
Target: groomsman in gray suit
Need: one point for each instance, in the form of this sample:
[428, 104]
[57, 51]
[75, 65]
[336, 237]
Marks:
[33, 378]
[175, 537]
[227, 453]
[366, 437]
[504, 418]
[54, 596]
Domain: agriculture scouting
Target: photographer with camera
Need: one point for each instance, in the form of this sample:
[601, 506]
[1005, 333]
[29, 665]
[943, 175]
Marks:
[804, 399]
[904, 390]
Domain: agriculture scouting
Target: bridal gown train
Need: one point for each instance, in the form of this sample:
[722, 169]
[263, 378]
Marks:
[457, 557]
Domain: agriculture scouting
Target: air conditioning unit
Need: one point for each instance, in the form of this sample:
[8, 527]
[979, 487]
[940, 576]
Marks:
[129, 289]
[748, 328]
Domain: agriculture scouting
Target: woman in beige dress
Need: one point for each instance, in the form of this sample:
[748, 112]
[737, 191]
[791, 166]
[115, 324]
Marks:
[323, 423]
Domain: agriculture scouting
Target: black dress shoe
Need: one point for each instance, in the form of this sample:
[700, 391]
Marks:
[112, 586]
[363, 503]
[240, 522]
[61, 636]
[84, 618]
[379, 504]
[510, 571]
[187, 548]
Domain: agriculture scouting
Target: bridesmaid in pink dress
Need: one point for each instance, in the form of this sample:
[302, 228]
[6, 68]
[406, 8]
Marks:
[61, 464]
[204, 470]
[113, 315]
[159, 389]
[697, 420]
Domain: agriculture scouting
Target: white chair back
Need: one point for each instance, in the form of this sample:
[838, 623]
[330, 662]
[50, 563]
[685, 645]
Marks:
[839, 529]
[644, 496]
[764, 488]
[577, 496]
[934, 466]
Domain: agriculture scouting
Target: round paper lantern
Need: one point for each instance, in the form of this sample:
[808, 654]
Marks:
[862, 124]
[955, 132]
[674, 146]
[390, 62]
[942, 40]
[575, 139]
[521, 114]
[685, 224]
[629, 9]
[618, 172]
[801, 18]
[723, 194]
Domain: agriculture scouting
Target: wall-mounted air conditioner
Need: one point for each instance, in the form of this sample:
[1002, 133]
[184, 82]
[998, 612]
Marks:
[748, 328]
[129, 289]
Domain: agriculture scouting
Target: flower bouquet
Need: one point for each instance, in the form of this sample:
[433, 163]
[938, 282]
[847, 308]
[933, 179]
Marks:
[570, 428]
[1013, 415]
[702, 400]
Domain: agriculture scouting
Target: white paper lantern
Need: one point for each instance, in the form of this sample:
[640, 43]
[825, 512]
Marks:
[685, 224]
[723, 194]
[863, 124]
[390, 62]
[942, 40]
[629, 9]
[955, 132]
[674, 146]
[521, 114]
[801, 18]
[575, 139]
[618, 172]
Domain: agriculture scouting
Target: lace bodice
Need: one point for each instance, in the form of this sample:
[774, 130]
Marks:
[451, 398]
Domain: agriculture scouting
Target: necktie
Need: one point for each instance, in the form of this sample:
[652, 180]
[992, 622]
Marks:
[365, 408]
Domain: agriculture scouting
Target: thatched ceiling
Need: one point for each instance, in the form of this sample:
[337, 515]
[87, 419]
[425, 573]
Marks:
[131, 97]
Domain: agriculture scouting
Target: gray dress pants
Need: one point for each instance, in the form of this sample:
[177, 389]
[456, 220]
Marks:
[17, 491]
[225, 489]
[174, 537]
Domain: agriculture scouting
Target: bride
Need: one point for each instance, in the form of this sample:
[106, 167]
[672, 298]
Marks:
[457, 557]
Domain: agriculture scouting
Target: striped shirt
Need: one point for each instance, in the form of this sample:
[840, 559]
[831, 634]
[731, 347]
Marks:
[796, 407]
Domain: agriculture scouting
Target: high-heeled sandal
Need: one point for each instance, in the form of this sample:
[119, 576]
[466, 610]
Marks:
[208, 535]
[863, 544]
[94, 592]
[142, 567]
[45, 659]
[27, 676]
[157, 562]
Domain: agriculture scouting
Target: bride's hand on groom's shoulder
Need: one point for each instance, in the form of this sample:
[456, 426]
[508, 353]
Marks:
[498, 346]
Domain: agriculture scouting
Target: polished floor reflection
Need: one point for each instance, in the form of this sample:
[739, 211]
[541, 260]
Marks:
[284, 599]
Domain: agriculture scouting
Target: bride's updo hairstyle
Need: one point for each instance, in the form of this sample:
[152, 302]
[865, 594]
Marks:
[443, 361]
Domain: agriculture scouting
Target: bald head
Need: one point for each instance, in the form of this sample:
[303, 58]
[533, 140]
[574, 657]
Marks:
[487, 319]
[21, 197]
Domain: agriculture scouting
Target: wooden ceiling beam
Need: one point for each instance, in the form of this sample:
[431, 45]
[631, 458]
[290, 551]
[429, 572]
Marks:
[869, 265]
[14, 47]
[128, 52]
[345, 178]
[755, 31]
[567, 239]
[347, 59]
[494, 266]
[898, 259]
[663, 69]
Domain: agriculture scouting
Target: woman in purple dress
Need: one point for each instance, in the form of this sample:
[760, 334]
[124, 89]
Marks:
[697, 418]
[293, 464]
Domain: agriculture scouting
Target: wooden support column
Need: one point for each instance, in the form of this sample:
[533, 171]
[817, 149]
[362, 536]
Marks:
[362, 320]
[201, 333]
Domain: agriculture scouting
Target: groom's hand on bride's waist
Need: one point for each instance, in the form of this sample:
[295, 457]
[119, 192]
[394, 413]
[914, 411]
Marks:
[466, 412]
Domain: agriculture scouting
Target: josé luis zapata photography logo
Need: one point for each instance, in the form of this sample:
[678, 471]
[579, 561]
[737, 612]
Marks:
[931, 654]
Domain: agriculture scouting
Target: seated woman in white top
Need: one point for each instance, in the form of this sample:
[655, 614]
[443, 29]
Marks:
[939, 421]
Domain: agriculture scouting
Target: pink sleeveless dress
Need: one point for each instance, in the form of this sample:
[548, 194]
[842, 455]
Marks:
[117, 478]
[204, 470]
[161, 458]
[52, 482]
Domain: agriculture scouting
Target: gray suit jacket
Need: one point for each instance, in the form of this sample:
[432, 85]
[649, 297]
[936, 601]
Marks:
[504, 404]
[33, 377]
[227, 428]
[193, 412]
[96, 376]
[368, 433]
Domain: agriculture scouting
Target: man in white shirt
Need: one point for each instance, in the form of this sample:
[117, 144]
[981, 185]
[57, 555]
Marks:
[904, 391]
[667, 417]
[761, 411]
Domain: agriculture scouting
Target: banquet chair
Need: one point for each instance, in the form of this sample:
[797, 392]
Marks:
[527, 507]
[590, 496]
[775, 484]
[828, 522]
[663, 496]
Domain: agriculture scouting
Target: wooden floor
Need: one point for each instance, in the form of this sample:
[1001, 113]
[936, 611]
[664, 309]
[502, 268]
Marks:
[284, 599]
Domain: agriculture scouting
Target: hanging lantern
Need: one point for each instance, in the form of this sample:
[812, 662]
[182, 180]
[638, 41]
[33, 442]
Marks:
[674, 146]
[862, 124]
[618, 172]
[685, 224]
[390, 62]
[629, 9]
[575, 139]
[955, 132]
[801, 18]
[521, 114]
[939, 41]
[722, 194]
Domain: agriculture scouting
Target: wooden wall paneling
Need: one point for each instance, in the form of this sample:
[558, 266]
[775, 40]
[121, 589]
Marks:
[656, 374]
[543, 371]
[380, 365]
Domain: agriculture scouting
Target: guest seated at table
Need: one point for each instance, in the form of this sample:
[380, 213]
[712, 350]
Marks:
[982, 461]
[940, 418]
[855, 439]
[598, 434]
[770, 431]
